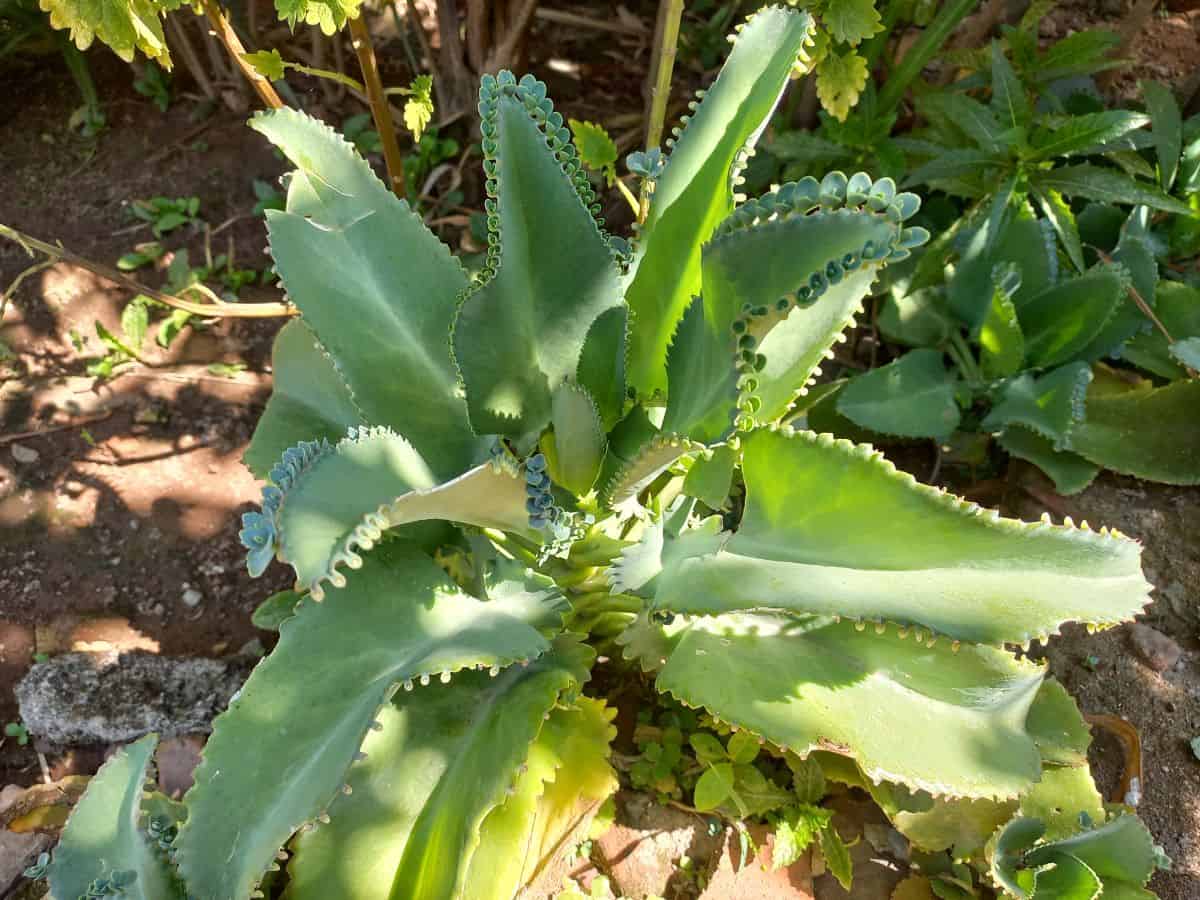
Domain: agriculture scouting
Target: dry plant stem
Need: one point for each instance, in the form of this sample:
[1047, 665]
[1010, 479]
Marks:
[477, 33]
[503, 55]
[66, 426]
[666, 43]
[233, 44]
[212, 310]
[360, 39]
[562, 17]
[183, 44]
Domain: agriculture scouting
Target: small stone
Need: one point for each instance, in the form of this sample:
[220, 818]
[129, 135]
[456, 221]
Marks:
[1156, 650]
[177, 759]
[192, 597]
[23, 454]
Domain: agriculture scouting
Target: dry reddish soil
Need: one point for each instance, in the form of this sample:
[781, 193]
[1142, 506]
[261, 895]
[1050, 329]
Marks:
[121, 515]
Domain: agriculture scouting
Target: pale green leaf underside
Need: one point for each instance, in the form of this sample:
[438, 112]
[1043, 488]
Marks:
[442, 762]
[759, 265]
[309, 400]
[102, 835]
[947, 722]
[567, 769]
[374, 480]
[375, 285]
[307, 706]
[918, 556]
[522, 333]
[695, 192]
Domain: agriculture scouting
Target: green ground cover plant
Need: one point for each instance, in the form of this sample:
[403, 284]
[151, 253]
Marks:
[485, 483]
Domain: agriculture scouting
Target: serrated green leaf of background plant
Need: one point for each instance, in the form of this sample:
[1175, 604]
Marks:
[967, 114]
[1058, 213]
[521, 333]
[696, 191]
[1020, 241]
[306, 708]
[1177, 306]
[103, 834]
[1063, 320]
[1187, 352]
[373, 480]
[1135, 252]
[852, 21]
[919, 557]
[1058, 799]
[918, 319]
[621, 490]
[601, 368]
[579, 440]
[806, 682]
[596, 149]
[758, 265]
[1050, 404]
[123, 25]
[960, 825]
[1070, 472]
[913, 396]
[1079, 133]
[1150, 434]
[567, 776]
[1167, 128]
[1009, 102]
[1001, 343]
[309, 400]
[1066, 878]
[1121, 850]
[1058, 727]
[841, 78]
[376, 287]
[1092, 182]
[330, 15]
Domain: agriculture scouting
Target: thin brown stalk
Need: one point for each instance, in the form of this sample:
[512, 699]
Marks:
[211, 310]
[191, 61]
[233, 44]
[666, 41]
[381, 112]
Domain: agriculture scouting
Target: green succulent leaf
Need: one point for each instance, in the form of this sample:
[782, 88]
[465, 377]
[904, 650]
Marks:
[552, 273]
[695, 193]
[779, 247]
[1001, 341]
[567, 776]
[1050, 404]
[579, 440]
[808, 682]
[309, 400]
[327, 500]
[917, 319]
[1070, 472]
[1187, 352]
[1167, 126]
[934, 560]
[711, 476]
[913, 396]
[1058, 727]
[1059, 799]
[397, 621]
[104, 838]
[1177, 306]
[1058, 213]
[375, 311]
[1150, 433]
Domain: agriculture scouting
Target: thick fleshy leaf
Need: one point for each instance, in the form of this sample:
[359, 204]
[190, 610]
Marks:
[1063, 794]
[1058, 727]
[105, 839]
[1167, 127]
[309, 400]
[695, 192]
[1153, 434]
[578, 439]
[1020, 241]
[711, 476]
[327, 500]
[306, 708]
[551, 272]
[1177, 306]
[919, 556]
[1063, 320]
[913, 396]
[1070, 472]
[441, 764]
[1001, 341]
[567, 776]
[1058, 213]
[808, 682]
[375, 285]
[784, 253]
[1050, 404]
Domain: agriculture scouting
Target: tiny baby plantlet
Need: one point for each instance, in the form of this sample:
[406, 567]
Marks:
[481, 482]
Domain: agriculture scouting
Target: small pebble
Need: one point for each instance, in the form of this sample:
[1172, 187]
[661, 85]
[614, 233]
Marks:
[1154, 648]
[23, 454]
[192, 597]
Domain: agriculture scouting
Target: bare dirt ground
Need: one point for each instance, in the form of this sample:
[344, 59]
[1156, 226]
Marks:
[124, 518]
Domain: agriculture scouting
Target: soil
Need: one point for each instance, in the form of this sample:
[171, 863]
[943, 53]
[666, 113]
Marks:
[132, 509]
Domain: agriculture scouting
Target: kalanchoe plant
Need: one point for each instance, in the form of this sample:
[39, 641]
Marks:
[587, 437]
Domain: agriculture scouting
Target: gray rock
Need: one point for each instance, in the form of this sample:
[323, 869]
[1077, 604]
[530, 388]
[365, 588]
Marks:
[23, 454]
[85, 698]
[1157, 650]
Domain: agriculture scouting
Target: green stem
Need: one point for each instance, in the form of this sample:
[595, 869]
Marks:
[339, 77]
[965, 360]
[918, 56]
